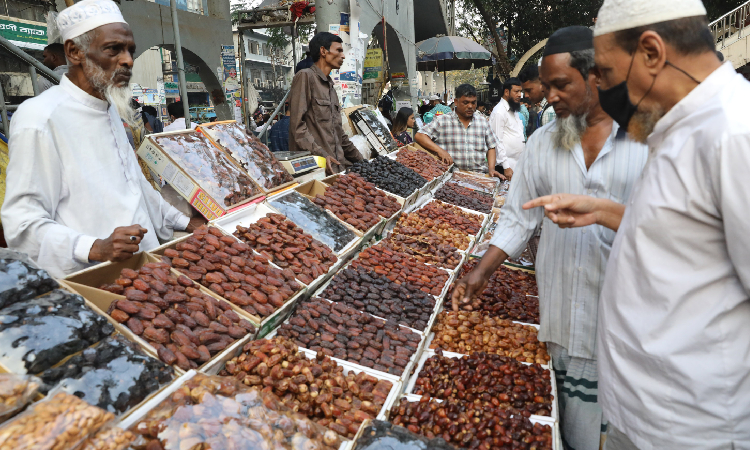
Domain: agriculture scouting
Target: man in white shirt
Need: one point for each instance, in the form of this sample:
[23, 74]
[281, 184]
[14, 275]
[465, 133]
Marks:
[54, 59]
[177, 116]
[673, 335]
[75, 193]
[506, 123]
[583, 151]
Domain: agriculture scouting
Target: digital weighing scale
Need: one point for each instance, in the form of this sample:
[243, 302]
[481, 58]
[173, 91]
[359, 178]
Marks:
[296, 163]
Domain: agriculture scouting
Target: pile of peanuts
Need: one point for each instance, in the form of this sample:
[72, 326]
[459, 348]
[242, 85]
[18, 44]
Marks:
[317, 388]
[288, 246]
[402, 269]
[342, 332]
[490, 379]
[184, 325]
[232, 270]
[468, 332]
[357, 202]
[58, 423]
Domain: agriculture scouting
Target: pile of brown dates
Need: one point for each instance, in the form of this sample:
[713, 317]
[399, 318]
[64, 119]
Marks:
[468, 332]
[316, 388]
[357, 202]
[465, 197]
[439, 255]
[232, 270]
[288, 246]
[365, 290]
[401, 268]
[471, 425]
[342, 332]
[184, 325]
[422, 163]
[490, 379]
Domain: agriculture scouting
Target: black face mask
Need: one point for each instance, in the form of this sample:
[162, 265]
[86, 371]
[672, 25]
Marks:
[615, 101]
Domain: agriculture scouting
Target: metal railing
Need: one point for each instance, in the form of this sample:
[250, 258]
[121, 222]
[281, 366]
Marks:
[34, 67]
[731, 26]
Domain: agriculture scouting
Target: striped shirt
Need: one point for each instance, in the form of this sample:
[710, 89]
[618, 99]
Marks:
[467, 146]
[570, 262]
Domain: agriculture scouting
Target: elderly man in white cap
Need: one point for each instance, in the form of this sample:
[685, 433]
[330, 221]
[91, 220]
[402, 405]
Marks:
[75, 192]
[673, 339]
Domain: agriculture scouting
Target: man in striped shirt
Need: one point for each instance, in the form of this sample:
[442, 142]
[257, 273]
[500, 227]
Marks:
[582, 152]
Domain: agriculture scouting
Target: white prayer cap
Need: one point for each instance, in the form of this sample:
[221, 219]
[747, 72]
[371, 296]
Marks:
[618, 15]
[434, 97]
[86, 15]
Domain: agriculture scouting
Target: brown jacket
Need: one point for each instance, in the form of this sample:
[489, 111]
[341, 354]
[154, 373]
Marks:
[315, 124]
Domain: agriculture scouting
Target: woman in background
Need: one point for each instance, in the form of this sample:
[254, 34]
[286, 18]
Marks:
[404, 119]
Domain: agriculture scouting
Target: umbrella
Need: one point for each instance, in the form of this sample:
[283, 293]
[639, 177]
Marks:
[451, 53]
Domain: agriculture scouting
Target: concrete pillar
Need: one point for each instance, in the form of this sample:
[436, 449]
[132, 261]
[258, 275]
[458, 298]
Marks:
[329, 12]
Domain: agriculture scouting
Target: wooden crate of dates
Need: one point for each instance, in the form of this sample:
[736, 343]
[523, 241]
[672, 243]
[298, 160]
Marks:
[336, 395]
[523, 388]
[467, 425]
[346, 334]
[172, 316]
[233, 271]
[505, 296]
[467, 332]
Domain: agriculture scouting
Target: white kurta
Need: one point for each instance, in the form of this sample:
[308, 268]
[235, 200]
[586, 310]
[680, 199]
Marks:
[73, 178]
[508, 129]
[179, 125]
[674, 316]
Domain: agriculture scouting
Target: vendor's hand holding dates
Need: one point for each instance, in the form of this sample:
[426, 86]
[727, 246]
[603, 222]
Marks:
[119, 246]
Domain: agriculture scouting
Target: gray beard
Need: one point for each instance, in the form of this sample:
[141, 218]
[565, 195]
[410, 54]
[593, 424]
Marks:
[569, 131]
[119, 97]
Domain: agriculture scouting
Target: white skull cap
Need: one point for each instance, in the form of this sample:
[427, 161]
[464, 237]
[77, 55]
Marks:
[618, 15]
[86, 15]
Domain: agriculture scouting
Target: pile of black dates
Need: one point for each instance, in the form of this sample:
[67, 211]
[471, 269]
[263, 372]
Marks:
[389, 175]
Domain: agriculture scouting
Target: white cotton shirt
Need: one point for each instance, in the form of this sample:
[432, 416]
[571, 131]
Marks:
[508, 129]
[179, 125]
[674, 316]
[43, 84]
[73, 178]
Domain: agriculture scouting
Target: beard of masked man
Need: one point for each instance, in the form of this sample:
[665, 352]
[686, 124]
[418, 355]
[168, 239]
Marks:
[570, 82]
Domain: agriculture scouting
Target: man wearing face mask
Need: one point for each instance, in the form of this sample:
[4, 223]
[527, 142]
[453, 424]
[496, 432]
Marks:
[582, 151]
[673, 339]
[75, 193]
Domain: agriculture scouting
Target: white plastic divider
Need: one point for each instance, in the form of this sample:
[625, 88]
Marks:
[556, 440]
[407, 370]
[410, 383]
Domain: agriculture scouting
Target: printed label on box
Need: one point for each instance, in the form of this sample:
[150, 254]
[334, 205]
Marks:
[182, 184]
[169, 172]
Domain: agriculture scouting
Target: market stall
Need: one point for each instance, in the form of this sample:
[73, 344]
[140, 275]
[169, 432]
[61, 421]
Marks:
[301, 315]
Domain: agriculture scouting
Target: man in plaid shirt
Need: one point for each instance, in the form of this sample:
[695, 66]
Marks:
[462, 137]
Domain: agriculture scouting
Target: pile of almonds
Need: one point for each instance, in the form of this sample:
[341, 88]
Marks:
[402, 269]
[468, 332]
[317, 388]
[489, 379]
[422, 163]
[357, 202]
[232, 270]
[184, 325]
[342, 332]
[288, 246]
[472, 425]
